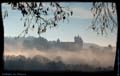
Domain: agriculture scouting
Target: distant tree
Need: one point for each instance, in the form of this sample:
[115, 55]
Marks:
[103, 18]
[109, 46]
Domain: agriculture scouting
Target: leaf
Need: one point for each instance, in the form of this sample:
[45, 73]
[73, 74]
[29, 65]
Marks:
[24, 12]
[38, 32]
[40, 4]
[113, 11]
[24, 24]
[14, 4]
[68, 14]
[19, 7]
[6, 14]
[33, 26]
[9, 2]
[94, 4]
[55, 24]
[44, 30]
[112, 5]
[38, 16]
[103, 23]
[64, 17]
[26, 31]
[94, 15]
[102, 31]
[106, 26]
[58, 12]
[35, 11]
[35, 5]
[41, 8]
[47, 9]
[51, 3]
[71, 13]
[57, 5]
[61, 10]
[55, 18]
[91, 9]
[93, 28]
[45, 12]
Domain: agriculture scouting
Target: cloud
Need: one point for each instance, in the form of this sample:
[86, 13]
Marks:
[81, 13]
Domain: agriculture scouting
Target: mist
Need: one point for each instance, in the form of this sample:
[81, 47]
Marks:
[95, 57]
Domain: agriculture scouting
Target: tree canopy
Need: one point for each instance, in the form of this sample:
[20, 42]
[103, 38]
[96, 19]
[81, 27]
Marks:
[104, 17]
[37, 15]
[44, 15]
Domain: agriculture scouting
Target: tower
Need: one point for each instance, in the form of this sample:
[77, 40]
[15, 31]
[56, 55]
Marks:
[78, 40]
[58, 40]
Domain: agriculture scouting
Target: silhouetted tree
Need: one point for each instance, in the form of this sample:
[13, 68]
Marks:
[103, 17]
[41, 63]
[110, 46]
[35, 15]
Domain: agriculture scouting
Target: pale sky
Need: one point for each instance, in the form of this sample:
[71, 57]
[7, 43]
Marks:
[77, 25]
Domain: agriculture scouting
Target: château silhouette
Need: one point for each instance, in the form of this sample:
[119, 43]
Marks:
[43, 44]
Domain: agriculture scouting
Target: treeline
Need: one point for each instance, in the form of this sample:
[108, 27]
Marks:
[44, 64]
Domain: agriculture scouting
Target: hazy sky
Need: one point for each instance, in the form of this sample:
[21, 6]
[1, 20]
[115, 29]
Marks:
[77, 25]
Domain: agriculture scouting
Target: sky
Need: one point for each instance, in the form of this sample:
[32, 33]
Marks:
[65, 31]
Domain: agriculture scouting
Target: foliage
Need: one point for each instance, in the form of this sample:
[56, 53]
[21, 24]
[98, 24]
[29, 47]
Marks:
[41, 63]
[40, 15]
[44, 15]
[104, 17]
